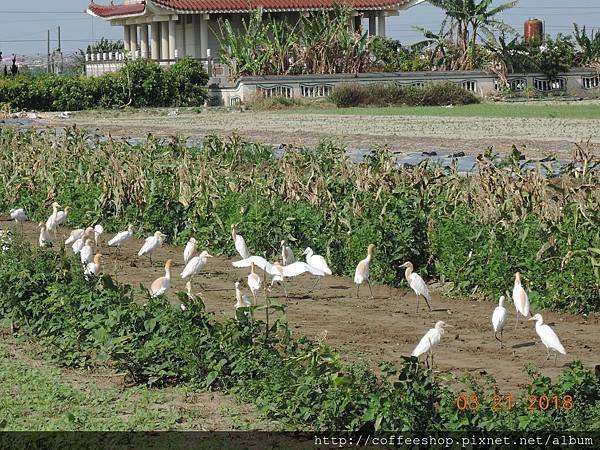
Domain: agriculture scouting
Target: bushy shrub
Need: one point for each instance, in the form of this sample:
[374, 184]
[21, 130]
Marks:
[140, 83]
[432, 94]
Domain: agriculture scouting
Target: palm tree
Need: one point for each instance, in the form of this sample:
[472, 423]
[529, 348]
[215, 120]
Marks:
[471, 19]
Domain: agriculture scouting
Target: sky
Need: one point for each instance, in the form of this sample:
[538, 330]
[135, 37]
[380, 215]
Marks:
[24, 24]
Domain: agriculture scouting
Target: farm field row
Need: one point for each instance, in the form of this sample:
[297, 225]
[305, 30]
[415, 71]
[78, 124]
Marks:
[37, 395]
[380, 329]
[543, 129]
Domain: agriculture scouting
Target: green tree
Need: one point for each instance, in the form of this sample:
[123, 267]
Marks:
[471, 19]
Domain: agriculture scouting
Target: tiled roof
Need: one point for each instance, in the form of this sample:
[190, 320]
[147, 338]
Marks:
[213, 6]
[107, 11]
[272, 5]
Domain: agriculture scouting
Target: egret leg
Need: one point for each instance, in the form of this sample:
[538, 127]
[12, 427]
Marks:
[150, 256]
[547, 353]
[370, 290]
[357, 288]
[417, 303]
[427, 301]
[254, 295]
[517, 322]
[317, 282]
[284, 289]
[499, 340]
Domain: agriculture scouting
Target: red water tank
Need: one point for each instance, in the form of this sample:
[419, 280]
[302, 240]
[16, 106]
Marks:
[534, 30]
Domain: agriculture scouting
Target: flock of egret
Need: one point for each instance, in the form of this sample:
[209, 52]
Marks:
[83, 240]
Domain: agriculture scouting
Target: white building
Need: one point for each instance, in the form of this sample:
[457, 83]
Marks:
[165, 30]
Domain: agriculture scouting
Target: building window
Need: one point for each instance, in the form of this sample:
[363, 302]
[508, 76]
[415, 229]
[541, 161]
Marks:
[418, 83]
[545, 85]
[590, 82]
[316, 91]
[235, 101]
[469, 85]
[275, 91]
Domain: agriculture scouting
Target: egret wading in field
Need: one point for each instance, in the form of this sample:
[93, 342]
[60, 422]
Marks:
[361, 274]
[277, 271]
[254, 281]
[287, 254]
[161, 285]
[548, 337]
[431, 340]
[499, 319]
[87, 252]
[61, 216]
[195, 265]
[239, 242]
[416, 283]
[241, 299]
[80, 242]
[189, 250]
[51, 221]
[151, 244]
[98, 231]
[74, 235]
[19, 216]
[520, 298]
[121, 238]
[94, 267]
[44, 239]
[317, 262]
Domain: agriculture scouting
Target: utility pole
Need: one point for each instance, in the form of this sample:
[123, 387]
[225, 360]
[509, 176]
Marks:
[48, 54]
[59, 46]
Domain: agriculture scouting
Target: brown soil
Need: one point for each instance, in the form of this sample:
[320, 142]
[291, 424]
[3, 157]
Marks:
[383, 328]
[542, 136]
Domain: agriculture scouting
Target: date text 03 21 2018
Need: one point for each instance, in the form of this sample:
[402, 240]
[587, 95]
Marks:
[497, 402]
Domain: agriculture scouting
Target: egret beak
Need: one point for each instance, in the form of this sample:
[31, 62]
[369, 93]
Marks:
[403, 266]
[531, 318]
[209, 256]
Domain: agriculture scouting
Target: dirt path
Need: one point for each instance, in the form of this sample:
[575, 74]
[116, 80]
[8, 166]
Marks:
[542, 136]
[384, 328]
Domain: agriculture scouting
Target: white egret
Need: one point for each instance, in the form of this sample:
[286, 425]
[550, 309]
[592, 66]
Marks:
[431, 340]
[121, 238]
[190, 250]
[520, 298]
[87, 252]
[277, 271]
[287, 254]
[416, 283]
[499, 319]
[361, 274]
[241, 299]
[239, 242]
[51, 224]
[548, 337]
[98, 231]
[195, 265]
[318, 262]
[61, 216]
[151, 244]
[19, 216]
[162, 284]
[254, 282]
[45, 237]
[79, 243]
[74, 235]
[95, 266]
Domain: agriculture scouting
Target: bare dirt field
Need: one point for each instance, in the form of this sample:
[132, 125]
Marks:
[379, 329]
[542, 136]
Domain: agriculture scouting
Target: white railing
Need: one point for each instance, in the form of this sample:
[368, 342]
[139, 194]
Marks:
[100, 63]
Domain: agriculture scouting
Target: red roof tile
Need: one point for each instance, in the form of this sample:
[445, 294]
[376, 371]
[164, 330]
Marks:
[208, 6]
[107, 11]
[271, 5]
